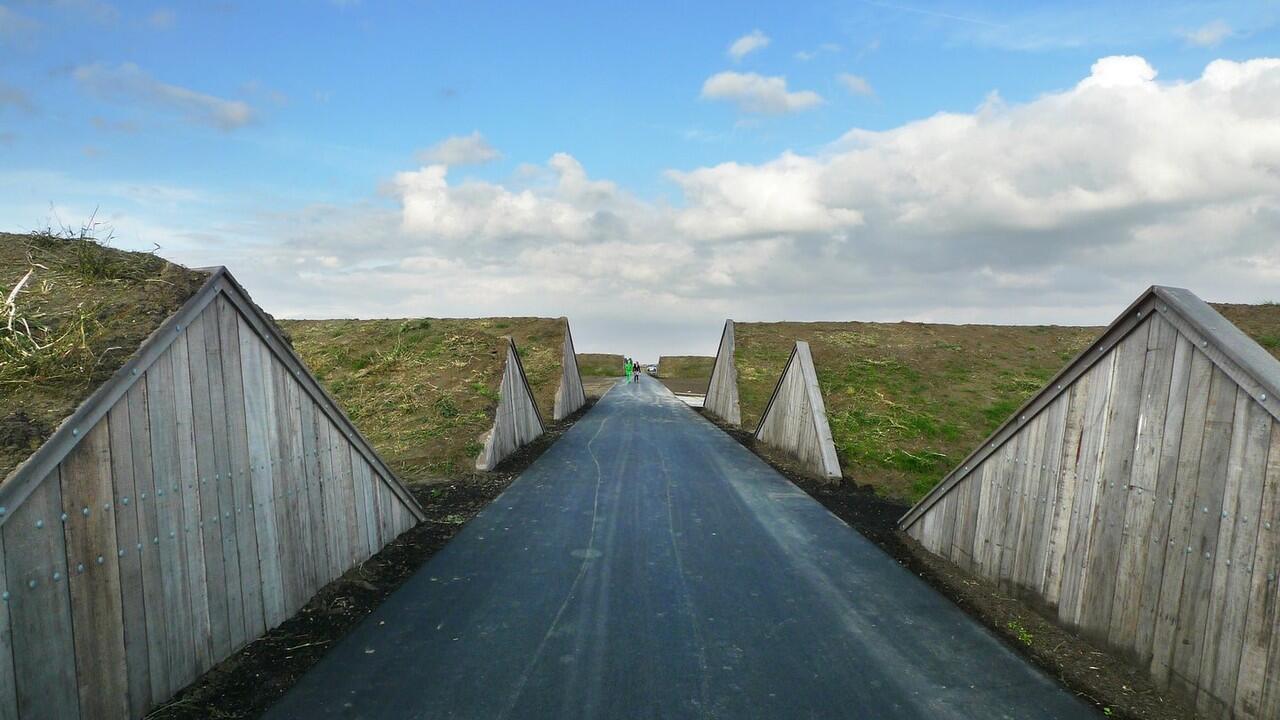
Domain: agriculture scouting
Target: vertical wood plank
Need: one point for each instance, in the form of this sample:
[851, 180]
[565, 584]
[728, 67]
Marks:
[97, 618]
[189, 494]
[1135, 538]
[1114, 478]
[148, 545]
[205, 493]
[346, 483]
[1178, 548]
[1234, 560]
[40, 606]
[241, 470]
[1051, 460]
[283, 481]
[8, 693]
[1068, 487]
[1089, 453]
[315, 494]
[1162, 500]
[335, 523]
[128, 550]
[1258, 688]
[258, 420]
[1197, 581]
[301, 490]
[166, 473]
[227, 531]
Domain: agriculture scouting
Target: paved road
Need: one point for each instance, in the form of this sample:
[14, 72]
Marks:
[648, 566]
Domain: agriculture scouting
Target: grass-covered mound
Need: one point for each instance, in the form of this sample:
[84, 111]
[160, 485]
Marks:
[685, 373]
[601, 365]
[424, 390]
[907, 401]
[72, 311]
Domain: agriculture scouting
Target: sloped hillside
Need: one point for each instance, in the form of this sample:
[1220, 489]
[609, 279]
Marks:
[72, 311]
[906, 401]
[424, 390]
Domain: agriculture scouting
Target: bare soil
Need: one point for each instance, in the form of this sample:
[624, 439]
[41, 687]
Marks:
[82, 312]
[1100, 677]
[686, 386]
[247, 683]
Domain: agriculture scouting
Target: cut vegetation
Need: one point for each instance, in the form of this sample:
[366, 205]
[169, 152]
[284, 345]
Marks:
[424, 390]
[906, 401]
[72, 311]
[600, 371]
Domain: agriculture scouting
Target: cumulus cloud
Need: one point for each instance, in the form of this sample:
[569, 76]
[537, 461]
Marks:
[128, 84]
[855, 84]
[1208, 35]
[162, 19]
[1060, 209]
[758, 93]
[747, 44]
[470, 149]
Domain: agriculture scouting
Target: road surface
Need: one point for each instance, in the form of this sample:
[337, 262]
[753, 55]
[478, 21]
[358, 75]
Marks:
[648, 566]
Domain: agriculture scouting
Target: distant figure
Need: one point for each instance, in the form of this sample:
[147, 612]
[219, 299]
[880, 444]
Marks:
[628, 369]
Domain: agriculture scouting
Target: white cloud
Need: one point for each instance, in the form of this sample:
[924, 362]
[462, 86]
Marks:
[1060, 209]
[758, 93]
[855, 84]
[807, 55]
[15, 97]
[127, 84]
[747, 44]
[470, 149]
[1208, 35]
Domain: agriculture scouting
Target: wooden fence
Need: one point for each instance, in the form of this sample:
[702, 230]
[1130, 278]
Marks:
[570, 395]
[197, 499]
[517, 420]
[722, 388]
[1138, 497]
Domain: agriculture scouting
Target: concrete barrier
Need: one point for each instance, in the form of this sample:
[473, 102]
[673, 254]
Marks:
[795, 420]
[516, 420]
[722, 388]
[570, 395]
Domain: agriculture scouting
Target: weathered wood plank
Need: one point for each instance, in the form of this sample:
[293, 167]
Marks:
[1234, 561]
[346, 483]
[222, 480]
[44, 662]
[241, 470]
[1178, 549]
[1115, 471]
[205, 493]
[258, 421]
[8, 693]
[315, 494]
[1051, 461]
[1162, 500]
[168, 503]
[148, 546]
[1032, 477]
[283, 482]
[1197, 581]
[97, 618]
[1258, 687]
[187, 488]
[1067, 488]
[128, 550]
[300, 489]
[1153, 398]
[1093, 430]
[335, 522]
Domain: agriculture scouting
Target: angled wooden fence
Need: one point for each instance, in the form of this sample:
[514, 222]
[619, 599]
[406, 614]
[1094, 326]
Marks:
[722, 388]
[795, 420]
[197, 499]
[517, 420]
[1138, 496]
[570, 395]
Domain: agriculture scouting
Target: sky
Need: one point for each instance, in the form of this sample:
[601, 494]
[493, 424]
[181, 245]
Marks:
[649, 171]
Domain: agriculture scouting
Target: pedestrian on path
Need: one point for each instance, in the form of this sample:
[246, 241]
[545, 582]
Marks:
[628, 369]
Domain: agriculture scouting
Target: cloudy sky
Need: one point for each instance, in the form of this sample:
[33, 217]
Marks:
[650, 171]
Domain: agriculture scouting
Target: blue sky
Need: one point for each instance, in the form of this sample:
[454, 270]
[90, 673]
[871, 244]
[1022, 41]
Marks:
[238, 133]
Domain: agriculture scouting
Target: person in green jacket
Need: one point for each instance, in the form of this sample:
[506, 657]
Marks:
[628, 369]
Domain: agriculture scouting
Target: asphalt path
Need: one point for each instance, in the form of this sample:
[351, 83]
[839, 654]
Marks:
[649, 566]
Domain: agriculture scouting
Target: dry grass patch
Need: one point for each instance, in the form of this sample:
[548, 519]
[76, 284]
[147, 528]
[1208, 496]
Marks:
[72, 311]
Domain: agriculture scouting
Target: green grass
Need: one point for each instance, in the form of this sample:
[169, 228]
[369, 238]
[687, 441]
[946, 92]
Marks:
[424, 390]
[601, 365]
